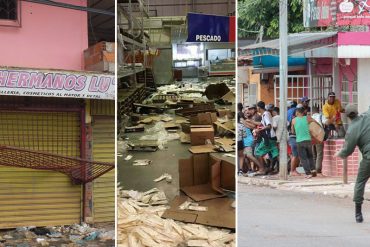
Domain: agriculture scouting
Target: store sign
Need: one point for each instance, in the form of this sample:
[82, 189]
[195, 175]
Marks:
[54, 83]
[353, 12]
[317, 13]
[210, 28]
[322, 13]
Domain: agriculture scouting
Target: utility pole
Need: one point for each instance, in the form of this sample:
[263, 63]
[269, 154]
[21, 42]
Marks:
[283, 71]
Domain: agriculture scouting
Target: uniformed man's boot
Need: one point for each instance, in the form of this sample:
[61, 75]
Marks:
[359, 218]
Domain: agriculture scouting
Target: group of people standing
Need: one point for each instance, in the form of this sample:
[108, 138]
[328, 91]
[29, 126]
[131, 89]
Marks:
[260, 131]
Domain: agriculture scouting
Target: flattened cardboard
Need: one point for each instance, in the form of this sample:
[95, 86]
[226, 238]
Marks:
[229, 97]
[171, 125]
[202, 149]
[147, 120]
[226, 126]
[187, 217]
[220, 213]
[225, 141]
[224, 148]
[200, 133]
[201, 192]
[181, 121]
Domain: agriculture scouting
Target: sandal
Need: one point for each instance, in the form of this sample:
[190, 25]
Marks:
[308, 176]
[294, 174]
[259, 173]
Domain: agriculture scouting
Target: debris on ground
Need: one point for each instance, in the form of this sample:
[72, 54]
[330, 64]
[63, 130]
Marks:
[193, 206]
[141, 225]
[68, 236]
[144, 162]
[128, 157]
[165, 176]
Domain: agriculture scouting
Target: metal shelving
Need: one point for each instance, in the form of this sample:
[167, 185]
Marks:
[131, 37]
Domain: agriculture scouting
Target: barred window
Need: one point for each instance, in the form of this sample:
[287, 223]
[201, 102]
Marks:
[8, 9]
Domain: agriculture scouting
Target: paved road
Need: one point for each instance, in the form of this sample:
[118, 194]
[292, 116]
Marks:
[269, 217]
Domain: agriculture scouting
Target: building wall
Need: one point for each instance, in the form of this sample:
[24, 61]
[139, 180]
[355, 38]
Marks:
[363, 84]
[50, 37]
[322, 66]
[266, 91]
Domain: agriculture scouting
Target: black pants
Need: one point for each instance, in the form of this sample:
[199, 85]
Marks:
[306, 156]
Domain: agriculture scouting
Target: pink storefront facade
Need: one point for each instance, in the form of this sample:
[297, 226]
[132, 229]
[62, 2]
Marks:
[47, 38]
[347, 62]
[51, 107]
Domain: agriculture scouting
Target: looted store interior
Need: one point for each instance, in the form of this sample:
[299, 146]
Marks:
[176, 124]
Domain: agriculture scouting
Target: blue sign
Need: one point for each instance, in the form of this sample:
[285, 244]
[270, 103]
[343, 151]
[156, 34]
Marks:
[210, 28]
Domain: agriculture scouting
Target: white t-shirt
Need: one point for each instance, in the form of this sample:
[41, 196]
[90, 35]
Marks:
[275, 124]
[267, 120]
[319, 118]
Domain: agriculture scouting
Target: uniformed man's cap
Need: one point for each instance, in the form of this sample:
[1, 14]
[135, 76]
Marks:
[351, 108]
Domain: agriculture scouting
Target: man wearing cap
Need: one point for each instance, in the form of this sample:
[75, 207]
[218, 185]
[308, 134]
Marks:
[300, 127]
[331, 110]
[305, 101]
[358, 134]
[268, 143]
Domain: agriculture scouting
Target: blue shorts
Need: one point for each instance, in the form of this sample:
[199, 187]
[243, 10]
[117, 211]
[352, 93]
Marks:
[293, 145]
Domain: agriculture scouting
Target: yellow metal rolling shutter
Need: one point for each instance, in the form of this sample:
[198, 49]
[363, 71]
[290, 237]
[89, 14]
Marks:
[35, 197]
[104, 187]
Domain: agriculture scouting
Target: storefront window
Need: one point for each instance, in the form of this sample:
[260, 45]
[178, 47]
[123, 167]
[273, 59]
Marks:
[10, 13]
[8, 9]
[349, 92]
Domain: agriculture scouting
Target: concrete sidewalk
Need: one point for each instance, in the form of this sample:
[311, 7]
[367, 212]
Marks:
[330, 186]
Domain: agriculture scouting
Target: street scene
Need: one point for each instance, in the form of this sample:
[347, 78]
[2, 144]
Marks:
[286, 219]
[303, 123]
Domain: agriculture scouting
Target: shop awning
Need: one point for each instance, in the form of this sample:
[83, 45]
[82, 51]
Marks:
[297, 43]
[79, 170]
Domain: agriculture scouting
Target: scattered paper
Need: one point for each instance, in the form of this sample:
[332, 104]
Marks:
[165, 176]
[167, 119]
[229, 155]
[143, 226]
[128, 157]
[145, 162]
[192, 206]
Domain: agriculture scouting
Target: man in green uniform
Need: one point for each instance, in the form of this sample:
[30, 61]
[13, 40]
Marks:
[358, 134]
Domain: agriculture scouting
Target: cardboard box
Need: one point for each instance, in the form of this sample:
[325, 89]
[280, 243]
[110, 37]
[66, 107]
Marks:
[206, 118]
[204, 177]
[199, 134]
[100, 57]
[225, 112]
